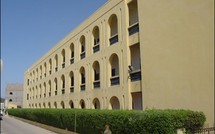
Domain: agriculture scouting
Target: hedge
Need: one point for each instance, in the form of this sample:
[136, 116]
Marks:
[151, 121]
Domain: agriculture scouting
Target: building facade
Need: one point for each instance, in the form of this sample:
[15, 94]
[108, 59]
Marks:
[14, 95]
[131, 54]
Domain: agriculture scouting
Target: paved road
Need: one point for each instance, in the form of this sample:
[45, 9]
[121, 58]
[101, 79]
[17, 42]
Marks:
[11, 125]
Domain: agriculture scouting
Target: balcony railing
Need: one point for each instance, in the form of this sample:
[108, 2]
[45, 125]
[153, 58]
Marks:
[63, 91]
[135, 75]
[72, 60]
[96, 84]
[114, 80]
[113, 39]
[63, 65]
[82, 87]
[71, 89]
[134, 28]
[96, 48]
[82, 55]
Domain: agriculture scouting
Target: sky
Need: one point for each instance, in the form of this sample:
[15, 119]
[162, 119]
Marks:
[30, 28]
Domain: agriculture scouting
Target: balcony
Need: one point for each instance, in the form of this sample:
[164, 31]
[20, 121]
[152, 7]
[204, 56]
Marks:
[63, 91]
[134, 28]
[72, 60]
[63, 65]
[56, 69]
[49, 94]
[72, 89]
[96, 84]
[96, 48]
[55, 92]
[113, 39]
[135, 75]
[82, 55]
[82, 87]
[114, 80]
[50, 72]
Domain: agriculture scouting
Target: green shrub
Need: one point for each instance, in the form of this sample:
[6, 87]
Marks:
[121, 121]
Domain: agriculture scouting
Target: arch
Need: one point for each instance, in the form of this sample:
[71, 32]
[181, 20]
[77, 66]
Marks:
[56, 85]
[39, 105]
[82, 73]
[45, 69]
[44, 92]
[72, 53]
[44, 105]
[50, 66]
[83, 47]
[114, 103]
[96, 35]
[56, 63]
[114, 69]
[83, 43]
[96, 103]
[49, 105]
[71, 103]
[113, 24]
[55, 104]
[63, 54]
[71, 76]
[63, 84]
[82, 78]
[62, 104]
[50, 86]
[96, 70]
[82, 104]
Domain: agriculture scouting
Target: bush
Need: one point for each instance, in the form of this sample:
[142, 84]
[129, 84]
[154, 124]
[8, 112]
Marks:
[121, 121]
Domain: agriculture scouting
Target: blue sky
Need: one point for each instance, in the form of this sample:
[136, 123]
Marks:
[29, 28]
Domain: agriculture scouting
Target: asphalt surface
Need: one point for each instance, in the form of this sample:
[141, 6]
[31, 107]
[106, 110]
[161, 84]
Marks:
[10, 125]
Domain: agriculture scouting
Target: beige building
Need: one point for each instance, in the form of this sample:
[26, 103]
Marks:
[14, 95]
[131, 54]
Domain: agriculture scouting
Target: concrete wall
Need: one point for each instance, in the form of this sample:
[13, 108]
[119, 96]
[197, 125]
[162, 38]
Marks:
[177, 53]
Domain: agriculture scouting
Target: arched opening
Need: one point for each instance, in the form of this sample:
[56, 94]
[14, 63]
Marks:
[63, 84]
[72, 52]
[63, 58]
[45, 69]
[44, 91]
[55, 104]
[83, 45]
[114, 103]
[44, 105]
[50, 88]
[82, 76]
[71, 75]
[113, 24]
[55, 81]
[56, 63]
[50, 66]
[49, 105]
[82, 104]
[62, 105]
[96, 39]
[96, 76]
[114, 70]
[71, 104]
[96, 103]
